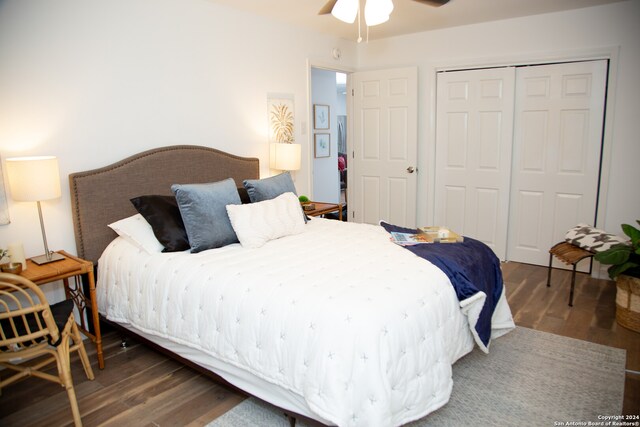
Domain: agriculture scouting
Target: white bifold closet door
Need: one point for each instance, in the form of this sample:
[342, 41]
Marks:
[559, 115]
[518, 154]
[474, 130]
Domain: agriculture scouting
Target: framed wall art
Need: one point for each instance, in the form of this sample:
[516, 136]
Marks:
[322, 145]
[320, 116]
[281, 118]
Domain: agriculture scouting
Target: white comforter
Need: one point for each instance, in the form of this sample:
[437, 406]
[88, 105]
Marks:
[361, 328]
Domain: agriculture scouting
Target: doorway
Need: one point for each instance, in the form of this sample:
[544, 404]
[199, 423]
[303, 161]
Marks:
[329, 136]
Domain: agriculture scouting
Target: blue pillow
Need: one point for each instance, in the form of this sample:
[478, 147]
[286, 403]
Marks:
[269, 188]
[203, 208]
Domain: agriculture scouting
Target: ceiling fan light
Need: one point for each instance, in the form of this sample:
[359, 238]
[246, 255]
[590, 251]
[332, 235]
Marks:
[377, 11]
[376, 20]
[346, 10]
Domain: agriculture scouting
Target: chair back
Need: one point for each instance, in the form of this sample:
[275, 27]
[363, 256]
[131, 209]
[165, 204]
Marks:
[25, 316]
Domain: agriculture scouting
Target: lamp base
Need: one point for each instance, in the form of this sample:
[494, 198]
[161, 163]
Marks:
[43, 259]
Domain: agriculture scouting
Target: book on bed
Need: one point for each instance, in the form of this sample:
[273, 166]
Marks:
[407, 239]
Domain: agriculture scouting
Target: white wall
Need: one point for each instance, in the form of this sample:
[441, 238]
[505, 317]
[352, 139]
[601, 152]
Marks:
[558, 35]
[93, 81]
[326, 179]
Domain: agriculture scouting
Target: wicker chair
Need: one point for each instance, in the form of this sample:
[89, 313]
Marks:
[30, 329]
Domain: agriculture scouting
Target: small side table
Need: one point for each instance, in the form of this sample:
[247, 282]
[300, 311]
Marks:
[72, 267]
[325, 208]
[570, 255]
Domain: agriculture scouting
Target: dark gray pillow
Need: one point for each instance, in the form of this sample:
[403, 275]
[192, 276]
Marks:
[269, 188]
[163, 215]
[204, 213]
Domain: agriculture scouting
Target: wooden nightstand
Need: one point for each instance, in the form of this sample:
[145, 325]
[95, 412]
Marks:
[72, 267]
[325, 208]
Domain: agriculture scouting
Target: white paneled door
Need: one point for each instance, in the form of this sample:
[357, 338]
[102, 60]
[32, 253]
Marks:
[473, 153]
[556, 157]
[385, 132]
[518, 154]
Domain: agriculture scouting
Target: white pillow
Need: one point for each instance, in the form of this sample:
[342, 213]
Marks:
[137, 231]
[257, 223]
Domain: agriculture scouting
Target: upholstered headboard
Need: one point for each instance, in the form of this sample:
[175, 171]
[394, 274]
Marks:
[101, 196]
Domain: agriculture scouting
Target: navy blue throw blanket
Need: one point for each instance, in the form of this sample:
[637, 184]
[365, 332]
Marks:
[470, 265]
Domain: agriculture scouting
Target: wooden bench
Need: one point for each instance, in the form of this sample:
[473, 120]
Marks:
[570, 255]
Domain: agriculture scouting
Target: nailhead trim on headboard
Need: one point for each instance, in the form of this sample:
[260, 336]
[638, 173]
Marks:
[101, 196]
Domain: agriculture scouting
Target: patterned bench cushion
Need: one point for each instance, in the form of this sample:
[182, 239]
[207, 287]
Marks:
[592, 239]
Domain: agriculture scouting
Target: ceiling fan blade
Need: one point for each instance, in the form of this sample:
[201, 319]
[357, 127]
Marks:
[436, 3]
[328, 7]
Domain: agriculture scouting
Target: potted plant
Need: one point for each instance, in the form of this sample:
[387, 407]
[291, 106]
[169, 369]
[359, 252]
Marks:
[624, 261]
[306, 203]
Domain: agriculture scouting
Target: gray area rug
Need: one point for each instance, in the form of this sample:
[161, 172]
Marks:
[528, 378]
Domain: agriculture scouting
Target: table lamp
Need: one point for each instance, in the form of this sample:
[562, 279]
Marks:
[285, 156]
[33, 179]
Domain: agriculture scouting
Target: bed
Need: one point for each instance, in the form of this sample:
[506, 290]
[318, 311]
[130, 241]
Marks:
[334, 323]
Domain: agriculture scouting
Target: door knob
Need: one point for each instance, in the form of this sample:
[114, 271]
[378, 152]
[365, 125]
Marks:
[411, 169]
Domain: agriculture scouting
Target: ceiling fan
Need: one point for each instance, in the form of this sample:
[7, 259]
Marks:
[375, 11]
[328, 7]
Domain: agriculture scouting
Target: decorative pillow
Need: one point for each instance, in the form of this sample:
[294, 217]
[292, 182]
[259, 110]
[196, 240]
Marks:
[592, 239]
[203, 210]
[244, 195]
[257, 223]
[268, 188]
[137, 231]
[163, 215]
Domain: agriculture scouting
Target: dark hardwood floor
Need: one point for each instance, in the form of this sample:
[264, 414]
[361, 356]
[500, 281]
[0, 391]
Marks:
[141, 387]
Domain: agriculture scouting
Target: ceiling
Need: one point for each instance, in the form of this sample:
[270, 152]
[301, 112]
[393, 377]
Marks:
[408, 16]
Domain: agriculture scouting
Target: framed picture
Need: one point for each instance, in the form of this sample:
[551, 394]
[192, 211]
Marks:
[281, 118]
[320, 116]
[322, 145]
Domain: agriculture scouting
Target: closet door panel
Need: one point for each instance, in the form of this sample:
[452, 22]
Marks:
[556, 155]
[474, 127]
[518, 154]
[534, 130]
[527, 232]
[454, 205]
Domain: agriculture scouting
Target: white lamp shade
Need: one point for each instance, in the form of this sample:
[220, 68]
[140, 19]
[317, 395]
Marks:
[377, 11]
[285, 157]
[346, 10]
[32, 179]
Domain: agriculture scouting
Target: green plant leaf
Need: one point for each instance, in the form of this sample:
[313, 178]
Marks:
[616, 270]
[618, 254]
[632, 232]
